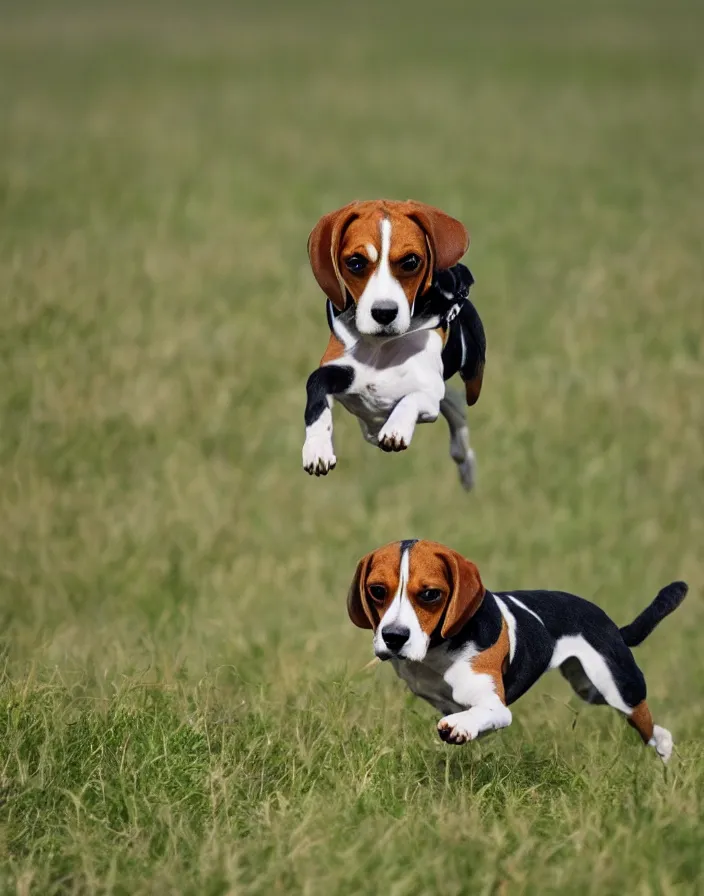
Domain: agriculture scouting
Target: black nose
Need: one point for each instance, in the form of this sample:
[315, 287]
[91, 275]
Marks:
[395, 636]
[384, 312]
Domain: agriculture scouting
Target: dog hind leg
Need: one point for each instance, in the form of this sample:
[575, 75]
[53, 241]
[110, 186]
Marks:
[621, 686]
[452, 409]
[574, 672]
[652, 735]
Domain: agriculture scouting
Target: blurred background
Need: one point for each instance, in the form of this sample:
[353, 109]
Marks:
[162, 551]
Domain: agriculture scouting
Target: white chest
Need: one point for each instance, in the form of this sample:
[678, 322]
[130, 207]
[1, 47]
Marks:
[427, 682]
[387, 371]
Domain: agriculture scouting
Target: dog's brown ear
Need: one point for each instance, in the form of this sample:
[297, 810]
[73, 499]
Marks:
[357, 606]
[466, 595]
[323, 246]
[447, 237]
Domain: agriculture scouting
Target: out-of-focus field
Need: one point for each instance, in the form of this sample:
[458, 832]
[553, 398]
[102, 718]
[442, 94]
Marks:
[182, 703]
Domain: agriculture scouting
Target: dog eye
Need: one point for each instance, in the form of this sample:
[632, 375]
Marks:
[410, 263]
[377, 592]
[355, 264]
[430, 595]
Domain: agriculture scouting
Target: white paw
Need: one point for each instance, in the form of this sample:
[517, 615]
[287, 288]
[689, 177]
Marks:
[662, 741]
[318, 455]
[396, 435]
[457, 729]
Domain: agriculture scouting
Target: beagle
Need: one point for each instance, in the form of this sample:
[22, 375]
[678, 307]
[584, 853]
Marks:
[401, 325]
[471, 653]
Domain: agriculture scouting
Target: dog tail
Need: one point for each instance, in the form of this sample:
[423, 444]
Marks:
[669, 598]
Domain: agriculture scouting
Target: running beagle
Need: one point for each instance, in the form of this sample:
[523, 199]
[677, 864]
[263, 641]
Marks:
[401, 324]
[471, 653]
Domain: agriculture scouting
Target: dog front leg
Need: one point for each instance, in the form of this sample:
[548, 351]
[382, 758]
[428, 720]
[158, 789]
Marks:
[417, 407]
[483, 694]
[318, 453]
[459, 727]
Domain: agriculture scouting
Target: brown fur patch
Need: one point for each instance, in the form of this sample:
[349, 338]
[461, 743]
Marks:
[433, 565]
[384, 568]
[428, 570]
[492, 661]
[323, 248]
[467, 593]
[334, 350]
[473, 387]
[642, 721]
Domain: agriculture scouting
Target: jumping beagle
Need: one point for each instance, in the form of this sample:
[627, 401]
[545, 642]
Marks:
[471, 653]
[401, 324]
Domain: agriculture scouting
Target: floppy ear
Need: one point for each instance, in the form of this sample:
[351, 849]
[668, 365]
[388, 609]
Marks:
[447, 237]
[357, 606]
[467, 592]
[323, 246]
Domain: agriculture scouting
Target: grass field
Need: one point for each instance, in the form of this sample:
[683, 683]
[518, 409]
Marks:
[183, 702]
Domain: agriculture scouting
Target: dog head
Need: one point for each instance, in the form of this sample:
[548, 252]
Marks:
[383, 253]
[409, 591]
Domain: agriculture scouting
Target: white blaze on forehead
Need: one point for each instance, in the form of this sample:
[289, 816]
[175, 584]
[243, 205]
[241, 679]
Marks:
[385, 229]
[403, 572]
[384, 288]
[382, 282]
[401, 612]
[372, 253]
[401, 596]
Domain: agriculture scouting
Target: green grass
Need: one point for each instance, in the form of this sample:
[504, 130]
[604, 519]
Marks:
[183, 706]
